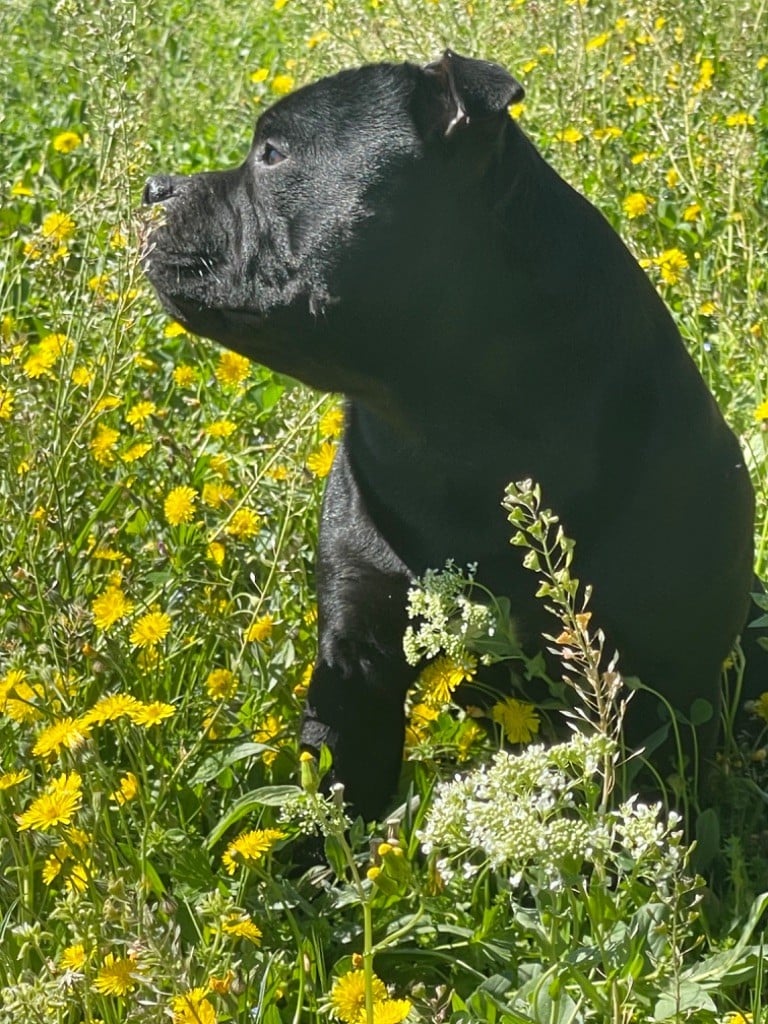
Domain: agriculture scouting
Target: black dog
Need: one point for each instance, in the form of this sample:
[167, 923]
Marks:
[393, 235]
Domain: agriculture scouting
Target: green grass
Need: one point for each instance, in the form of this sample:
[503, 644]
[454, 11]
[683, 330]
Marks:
[153, 662]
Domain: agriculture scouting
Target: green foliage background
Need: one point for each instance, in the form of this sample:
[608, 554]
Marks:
[653, 99]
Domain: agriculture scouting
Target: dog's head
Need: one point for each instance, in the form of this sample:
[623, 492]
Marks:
[349, 201]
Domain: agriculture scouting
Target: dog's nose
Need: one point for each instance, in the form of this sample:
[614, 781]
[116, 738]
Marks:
[157, 188]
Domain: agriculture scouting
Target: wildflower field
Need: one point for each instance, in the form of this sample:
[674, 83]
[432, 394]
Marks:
[159, 497]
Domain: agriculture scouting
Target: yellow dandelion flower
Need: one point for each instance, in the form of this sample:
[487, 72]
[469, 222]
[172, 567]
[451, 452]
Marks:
[316, 39]
[607, 132]
[99, 283]
[636, 204]
[82, 376]
[66, 142]
[706, 73]
[471, 735]
[150, 629]
[216, 552]
[73, 958]
[569, 135]
[259, 630]
[109, 607]
[242, 927]
[348, 996]
[244, 523]
[708, 308]
[440, 678]
[671, 264]
[216, 493]
[138, 414]
[761, 415]
[391, 1011]
[278, 472]
[46, 354]
[7, 398]
[174, 330]
[117, 976]
[67, 732]
[249, 848]
[179, 505]
[147, 715]
[103, 444]
[57, 227]
[127, 789]
[10, 779]
[672, 178]
[110, 708]
[519, 720]
[184, 376]
[320, 462]
[419, 721]
[219, 463]
[106, 403]
[58, 804]
[136, 451]
[269, 731]
[20, 189]
[692, 212]
[598, 41]
[193, 1008]
[762, 63]
[232, 369]
[259, 75]
[221, 684]
[282, 84]
[741, 119]
[332, 422]
[221, 428]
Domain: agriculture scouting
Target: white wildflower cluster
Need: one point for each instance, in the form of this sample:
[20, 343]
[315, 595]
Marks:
[530, 816]
[449, 620]
[312, 812]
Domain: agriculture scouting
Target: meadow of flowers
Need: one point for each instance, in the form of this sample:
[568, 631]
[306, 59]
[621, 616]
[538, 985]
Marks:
[159, 503]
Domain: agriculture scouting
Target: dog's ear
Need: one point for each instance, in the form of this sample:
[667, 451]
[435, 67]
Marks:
[455, 92]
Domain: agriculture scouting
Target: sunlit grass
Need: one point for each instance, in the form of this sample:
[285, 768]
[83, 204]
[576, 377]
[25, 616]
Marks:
[160, 497]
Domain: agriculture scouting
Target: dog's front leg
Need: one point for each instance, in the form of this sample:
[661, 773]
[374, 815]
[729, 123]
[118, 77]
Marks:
[355, 703]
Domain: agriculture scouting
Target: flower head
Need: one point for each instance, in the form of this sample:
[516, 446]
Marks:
[519, 720]
[147, 715]
[193, 1008]
[320, 462]
[232, 369]
[138, 414]
[67, 732]
[259, 630]
[66, 142]
[150, 629]
[110, 708]
[221, 684]
[109, 607]
[116, 976]
[179, 505]
[348, 996]
[636, 204]
[249, 848]
[242, 927]
[57, 805]
[103, 444]
[73, 957]
[244, 523]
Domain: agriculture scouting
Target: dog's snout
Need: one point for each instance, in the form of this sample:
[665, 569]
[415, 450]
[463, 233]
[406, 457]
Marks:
[157, 189]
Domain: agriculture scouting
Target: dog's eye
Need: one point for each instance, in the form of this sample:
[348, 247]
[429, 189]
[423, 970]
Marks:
[271, 155]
